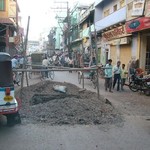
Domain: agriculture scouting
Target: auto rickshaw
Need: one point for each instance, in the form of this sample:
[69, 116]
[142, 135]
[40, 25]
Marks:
[8, 103]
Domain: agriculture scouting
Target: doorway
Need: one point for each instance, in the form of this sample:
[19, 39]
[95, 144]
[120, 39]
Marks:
[147, 62]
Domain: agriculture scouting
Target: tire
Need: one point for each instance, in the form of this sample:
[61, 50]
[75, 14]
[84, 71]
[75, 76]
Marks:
[19, 79]
[133, 87]
[10, 120]
[79, 77]
[147, 92]
[51, 75]
[13, 119]
[94, 81]
[17, 118]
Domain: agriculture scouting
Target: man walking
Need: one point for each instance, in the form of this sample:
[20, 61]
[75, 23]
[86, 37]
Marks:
[45, 64]
[108, 76]
[117, 75]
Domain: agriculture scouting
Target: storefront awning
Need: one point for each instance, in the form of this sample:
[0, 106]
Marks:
[6, 20]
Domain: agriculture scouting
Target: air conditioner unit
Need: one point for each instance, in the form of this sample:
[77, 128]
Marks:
[11, 39]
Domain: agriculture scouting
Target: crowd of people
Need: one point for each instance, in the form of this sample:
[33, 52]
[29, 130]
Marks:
[114, 75]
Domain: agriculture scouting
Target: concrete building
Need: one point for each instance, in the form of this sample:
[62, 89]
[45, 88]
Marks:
[124, 28]
[138, 24]
[9, 25]
[114, 42]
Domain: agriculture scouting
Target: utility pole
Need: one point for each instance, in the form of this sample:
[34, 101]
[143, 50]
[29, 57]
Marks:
[68, 24]
[68, 31]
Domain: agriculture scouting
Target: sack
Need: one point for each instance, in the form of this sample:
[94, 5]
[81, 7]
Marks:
[60, 88]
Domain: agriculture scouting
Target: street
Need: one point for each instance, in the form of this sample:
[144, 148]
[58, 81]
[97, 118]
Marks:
[133, 133]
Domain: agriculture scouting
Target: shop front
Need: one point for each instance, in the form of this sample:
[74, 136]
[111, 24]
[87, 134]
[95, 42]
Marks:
[141, 26]
[117, 45]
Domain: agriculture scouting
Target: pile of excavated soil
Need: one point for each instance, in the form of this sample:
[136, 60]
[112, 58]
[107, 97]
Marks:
[42, 104]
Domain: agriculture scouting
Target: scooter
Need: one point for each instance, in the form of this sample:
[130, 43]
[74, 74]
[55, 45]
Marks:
[9, 105]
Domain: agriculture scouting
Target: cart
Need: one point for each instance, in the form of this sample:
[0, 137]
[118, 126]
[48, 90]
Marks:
[88, 74]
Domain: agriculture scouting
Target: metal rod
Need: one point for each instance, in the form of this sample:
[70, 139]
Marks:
[98, 91]
[26, 41]
[83, 80]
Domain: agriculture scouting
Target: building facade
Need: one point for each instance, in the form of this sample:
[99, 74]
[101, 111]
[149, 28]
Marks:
[9, 33]
[124, 31]
[138, 24]
[114, 42]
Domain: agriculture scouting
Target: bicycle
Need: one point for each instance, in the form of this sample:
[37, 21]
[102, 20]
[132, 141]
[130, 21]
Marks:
[17, 78]
[88, 75]
[47, 74]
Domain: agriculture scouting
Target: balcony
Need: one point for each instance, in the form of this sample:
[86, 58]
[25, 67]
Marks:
[86, 32]
[114, 18]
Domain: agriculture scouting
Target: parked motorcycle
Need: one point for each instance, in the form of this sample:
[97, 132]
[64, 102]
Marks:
[140, 84]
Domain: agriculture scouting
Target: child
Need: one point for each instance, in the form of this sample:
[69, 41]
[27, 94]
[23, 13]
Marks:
[123, 76]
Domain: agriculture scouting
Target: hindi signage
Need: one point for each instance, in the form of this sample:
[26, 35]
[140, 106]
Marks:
[138, 7]
[115, 33]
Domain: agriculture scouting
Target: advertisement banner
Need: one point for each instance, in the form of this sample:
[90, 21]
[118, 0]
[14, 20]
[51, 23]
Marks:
[138, 7]
[138, 24]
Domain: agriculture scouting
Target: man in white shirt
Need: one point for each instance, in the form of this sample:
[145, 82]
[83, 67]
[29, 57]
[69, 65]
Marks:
[45, 64]
[117, 75]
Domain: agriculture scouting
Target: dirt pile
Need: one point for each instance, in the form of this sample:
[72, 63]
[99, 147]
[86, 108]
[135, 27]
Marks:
[41, 104]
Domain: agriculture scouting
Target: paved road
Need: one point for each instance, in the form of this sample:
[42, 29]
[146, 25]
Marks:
[133, 133]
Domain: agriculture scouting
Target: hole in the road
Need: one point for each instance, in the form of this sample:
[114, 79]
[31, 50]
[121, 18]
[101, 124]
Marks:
[43, 98]
[148, 119]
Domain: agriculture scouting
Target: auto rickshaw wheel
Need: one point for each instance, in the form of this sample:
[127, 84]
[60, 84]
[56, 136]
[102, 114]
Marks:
[13, 119]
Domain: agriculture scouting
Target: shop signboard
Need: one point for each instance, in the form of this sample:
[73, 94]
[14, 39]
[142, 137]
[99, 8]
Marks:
[138, 24]
[115, 33]
[121, 41]
[147, 8]
[138, 7]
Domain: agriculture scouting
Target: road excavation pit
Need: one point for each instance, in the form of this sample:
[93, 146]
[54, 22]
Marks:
[42, 104]
[43, 98]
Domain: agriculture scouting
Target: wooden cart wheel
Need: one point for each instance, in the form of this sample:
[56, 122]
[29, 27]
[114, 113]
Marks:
[94, 81]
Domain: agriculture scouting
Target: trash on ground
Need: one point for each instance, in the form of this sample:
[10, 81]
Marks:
[60, 88]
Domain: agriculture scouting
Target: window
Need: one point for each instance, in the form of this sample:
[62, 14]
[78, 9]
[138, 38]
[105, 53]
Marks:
[2, 5]
[122, 3]
[115, 7]
[106, 12]
[130, 5]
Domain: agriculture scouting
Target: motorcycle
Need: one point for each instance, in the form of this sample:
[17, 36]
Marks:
[9, 104]
[140, 84]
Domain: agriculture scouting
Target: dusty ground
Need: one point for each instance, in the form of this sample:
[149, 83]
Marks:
[41, 104]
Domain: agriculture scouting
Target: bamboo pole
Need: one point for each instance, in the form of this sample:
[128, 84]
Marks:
[83, 80]
[96, 50]
[25, 47]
